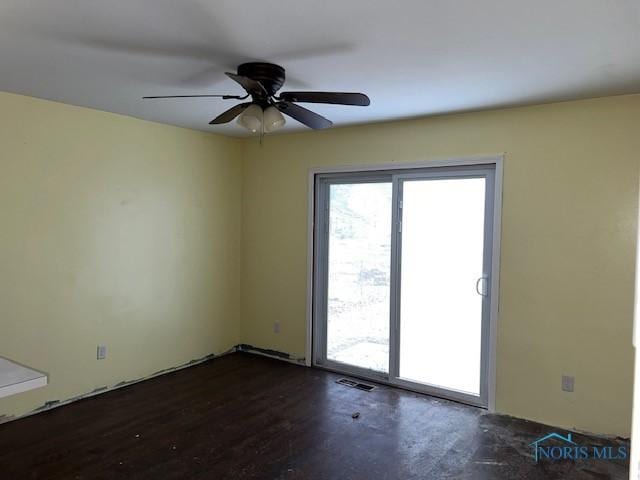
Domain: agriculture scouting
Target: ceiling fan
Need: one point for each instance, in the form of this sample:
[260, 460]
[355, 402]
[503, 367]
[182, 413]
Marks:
[264, 112]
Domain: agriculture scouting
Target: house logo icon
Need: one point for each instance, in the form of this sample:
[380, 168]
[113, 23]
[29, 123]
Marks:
[539, 449]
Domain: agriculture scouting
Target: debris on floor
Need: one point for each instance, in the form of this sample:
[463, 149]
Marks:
[355, 415]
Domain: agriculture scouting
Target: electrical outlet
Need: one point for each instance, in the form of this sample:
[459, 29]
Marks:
[102, 352]
[568, 383]
[276, 327]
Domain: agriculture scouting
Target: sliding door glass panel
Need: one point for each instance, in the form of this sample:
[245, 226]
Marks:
[442, 244]
[359, 255]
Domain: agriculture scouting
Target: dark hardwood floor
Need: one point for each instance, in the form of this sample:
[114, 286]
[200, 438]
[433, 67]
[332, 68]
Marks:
[248, 417]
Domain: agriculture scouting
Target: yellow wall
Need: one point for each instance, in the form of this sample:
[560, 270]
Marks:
[113, 231]
[130, 233]
[568, 243]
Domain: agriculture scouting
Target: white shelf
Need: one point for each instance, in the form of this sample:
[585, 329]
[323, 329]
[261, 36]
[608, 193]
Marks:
[16, 378]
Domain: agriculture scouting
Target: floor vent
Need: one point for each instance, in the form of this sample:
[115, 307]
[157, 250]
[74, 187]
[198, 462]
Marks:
[352, 384]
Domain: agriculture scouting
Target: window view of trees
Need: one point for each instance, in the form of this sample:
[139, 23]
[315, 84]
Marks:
[359, 274]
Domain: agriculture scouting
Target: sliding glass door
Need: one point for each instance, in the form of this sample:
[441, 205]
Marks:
[402, 277]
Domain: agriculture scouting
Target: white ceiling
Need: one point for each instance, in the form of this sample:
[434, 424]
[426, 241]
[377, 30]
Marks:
[412, 57]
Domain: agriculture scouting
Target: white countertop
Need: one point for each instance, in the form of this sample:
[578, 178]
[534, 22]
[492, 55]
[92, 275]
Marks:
[16, 378]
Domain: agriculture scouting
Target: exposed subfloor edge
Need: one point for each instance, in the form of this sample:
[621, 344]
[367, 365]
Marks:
[301, 361]
[276, 355]
[51, 404]
[266, 352]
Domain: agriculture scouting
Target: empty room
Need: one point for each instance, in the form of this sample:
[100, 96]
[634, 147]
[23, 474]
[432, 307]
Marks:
[319, 240]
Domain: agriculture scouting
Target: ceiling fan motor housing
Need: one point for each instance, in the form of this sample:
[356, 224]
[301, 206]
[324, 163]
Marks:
[271, 76]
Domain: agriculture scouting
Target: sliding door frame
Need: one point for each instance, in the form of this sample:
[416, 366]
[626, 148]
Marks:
[321, 252]
[316, 278]
[486, 172]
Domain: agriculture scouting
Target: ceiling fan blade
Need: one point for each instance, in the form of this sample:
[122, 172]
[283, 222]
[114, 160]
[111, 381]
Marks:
[253, 87]
[226, 97]
[228, 115]
[339, 98]
[301, 114]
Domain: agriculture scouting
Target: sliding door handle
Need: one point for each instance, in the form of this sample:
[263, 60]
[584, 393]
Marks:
[484, 292]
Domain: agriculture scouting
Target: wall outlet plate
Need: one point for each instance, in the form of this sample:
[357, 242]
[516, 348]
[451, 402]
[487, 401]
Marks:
[102, 352]
[568, 383]
[276, 327]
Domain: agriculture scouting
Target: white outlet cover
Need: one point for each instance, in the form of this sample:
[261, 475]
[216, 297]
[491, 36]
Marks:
[276, 327]
[568, 383]
[102, 352]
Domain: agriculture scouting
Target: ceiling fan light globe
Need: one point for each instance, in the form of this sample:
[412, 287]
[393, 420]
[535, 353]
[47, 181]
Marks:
[273, 119]
[251, 118]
